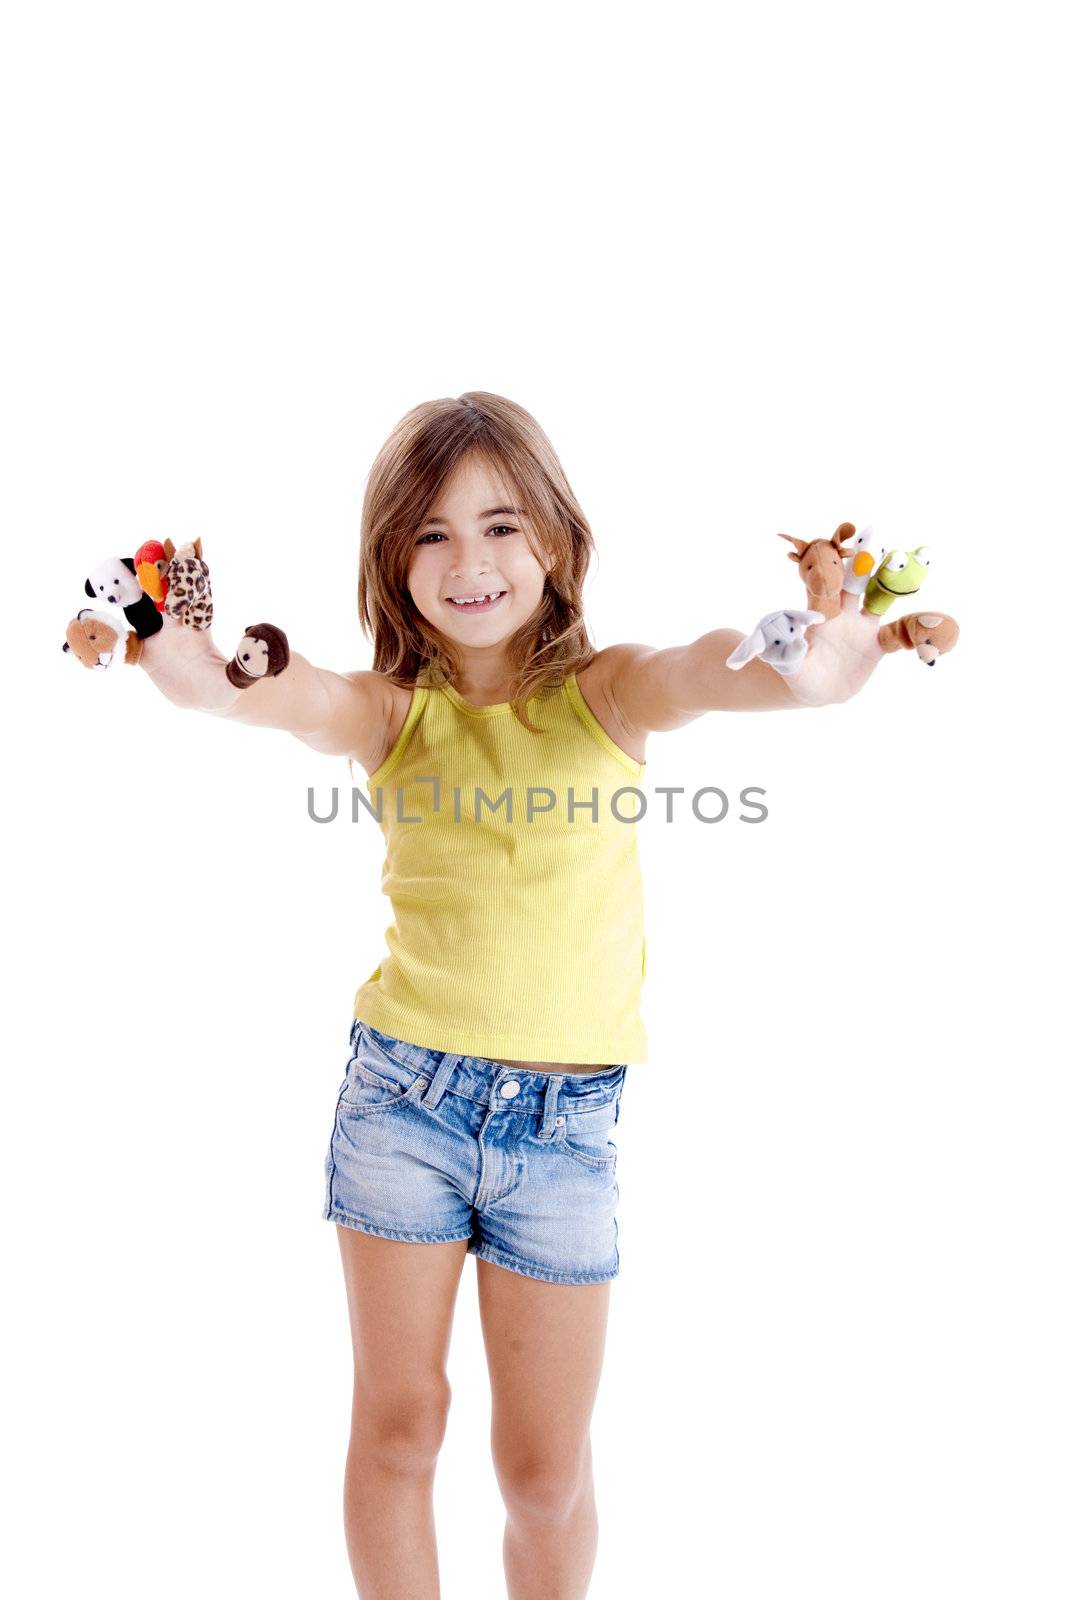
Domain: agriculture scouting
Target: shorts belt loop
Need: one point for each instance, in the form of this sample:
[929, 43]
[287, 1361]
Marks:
[548, 1121]
[440, 1079]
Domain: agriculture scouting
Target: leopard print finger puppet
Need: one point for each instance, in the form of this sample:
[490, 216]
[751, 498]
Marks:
[188, 597]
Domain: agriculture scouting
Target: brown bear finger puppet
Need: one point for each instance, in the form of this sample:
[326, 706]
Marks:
[188, 596]
[100, 642]
[262, 653]
[929, 633]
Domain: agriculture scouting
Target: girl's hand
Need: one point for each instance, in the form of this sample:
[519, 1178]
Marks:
[186, 667]
[842, 654]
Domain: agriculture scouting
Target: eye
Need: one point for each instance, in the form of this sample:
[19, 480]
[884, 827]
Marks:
[428, 536]
[896, 561]
[502, 527]
[923, 555]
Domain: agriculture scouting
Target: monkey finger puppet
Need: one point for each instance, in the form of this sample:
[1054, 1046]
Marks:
[263, 652]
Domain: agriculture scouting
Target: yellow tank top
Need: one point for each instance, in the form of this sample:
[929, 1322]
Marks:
[520, 937]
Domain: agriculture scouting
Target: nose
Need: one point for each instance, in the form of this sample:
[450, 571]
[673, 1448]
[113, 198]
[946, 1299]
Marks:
[477, 564]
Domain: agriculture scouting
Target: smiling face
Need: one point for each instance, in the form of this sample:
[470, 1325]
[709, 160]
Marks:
[476, 541]
[253, 656]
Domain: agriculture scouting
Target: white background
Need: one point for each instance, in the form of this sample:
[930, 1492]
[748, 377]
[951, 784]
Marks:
[755, 268]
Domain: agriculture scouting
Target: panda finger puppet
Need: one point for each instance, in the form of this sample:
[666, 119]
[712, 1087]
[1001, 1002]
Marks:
[262, 653]
[115, 583]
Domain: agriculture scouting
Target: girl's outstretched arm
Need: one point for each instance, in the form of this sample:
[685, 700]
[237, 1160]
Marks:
[655, 691]
[334, 713]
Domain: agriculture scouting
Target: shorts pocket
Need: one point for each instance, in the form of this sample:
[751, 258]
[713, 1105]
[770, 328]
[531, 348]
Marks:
[585, 1135]
[374, 1082]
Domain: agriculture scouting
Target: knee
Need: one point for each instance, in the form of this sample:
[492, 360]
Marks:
[402, 1428]
[544, 1487]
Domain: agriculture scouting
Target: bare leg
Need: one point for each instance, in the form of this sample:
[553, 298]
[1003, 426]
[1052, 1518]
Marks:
[545, 1347]
[401, 1300]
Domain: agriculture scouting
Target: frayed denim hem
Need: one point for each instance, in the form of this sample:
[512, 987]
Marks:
[333, 1215]
[488, 1252]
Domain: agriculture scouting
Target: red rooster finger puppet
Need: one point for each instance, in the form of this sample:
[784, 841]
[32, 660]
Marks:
[150, 564]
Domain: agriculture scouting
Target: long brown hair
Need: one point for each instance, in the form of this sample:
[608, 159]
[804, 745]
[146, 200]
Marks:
[413, 465]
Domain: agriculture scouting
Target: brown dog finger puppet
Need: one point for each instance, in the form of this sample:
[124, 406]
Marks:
[822, 568]
[116, 583]
[930, 634]
[262, 653]
[101, 641]
[188, 596]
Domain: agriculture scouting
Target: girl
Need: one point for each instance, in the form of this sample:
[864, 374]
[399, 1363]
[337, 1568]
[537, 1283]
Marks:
[489, 1050]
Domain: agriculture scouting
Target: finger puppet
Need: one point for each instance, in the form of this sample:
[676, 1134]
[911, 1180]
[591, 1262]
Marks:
[866, 557]
[100, 641]
[262, 653]
[822, 568]
[778, 638]
[902, 573]
[928, 633]
[189, 599]
[116, 583]
[150, 564]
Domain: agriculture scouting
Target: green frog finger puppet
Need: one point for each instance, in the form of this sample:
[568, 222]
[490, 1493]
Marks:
[901, 574]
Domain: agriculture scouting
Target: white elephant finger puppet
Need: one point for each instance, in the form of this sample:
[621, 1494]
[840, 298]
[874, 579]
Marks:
[779, 639]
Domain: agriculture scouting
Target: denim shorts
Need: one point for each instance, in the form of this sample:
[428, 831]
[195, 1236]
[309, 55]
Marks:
[429, 1146]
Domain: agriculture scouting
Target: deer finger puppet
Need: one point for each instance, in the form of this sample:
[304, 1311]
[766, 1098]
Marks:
[822, 568]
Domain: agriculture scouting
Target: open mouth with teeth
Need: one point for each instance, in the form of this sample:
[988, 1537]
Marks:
[484, 602]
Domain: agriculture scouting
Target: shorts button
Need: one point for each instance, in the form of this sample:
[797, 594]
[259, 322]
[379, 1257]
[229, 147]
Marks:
[560, 1121]
[510, 1089]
